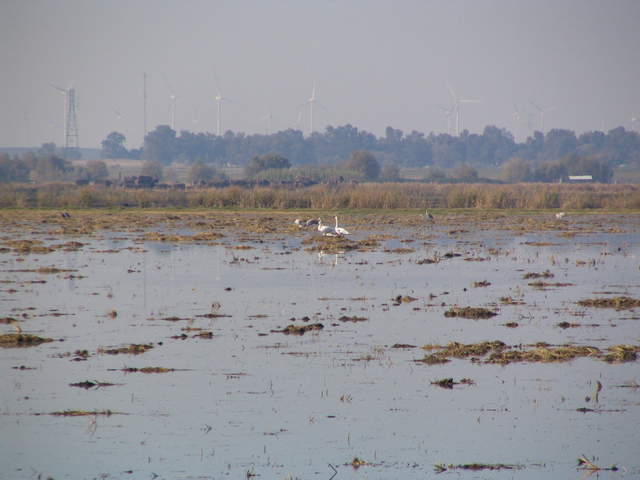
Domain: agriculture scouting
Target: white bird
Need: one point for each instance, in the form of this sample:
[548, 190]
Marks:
[326, 230]
[340, 230]
[300, 223]
[560, 214]
[429, 216]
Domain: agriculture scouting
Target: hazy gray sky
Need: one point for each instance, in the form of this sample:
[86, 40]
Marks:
[376, 63]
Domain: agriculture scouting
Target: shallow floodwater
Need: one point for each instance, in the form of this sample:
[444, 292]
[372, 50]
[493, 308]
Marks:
[250, 400]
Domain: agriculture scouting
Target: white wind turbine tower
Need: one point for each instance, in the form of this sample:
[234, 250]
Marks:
[633, 121]
[311, 102]
[522, 120]
[541, 112]
[457, 101]
[449, 114]
[220, 99]
[268, 118]
[172, 103]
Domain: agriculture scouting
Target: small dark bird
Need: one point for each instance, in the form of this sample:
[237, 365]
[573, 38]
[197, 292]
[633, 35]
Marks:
[65, 215]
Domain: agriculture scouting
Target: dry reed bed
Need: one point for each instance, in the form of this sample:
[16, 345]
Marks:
[361, 196]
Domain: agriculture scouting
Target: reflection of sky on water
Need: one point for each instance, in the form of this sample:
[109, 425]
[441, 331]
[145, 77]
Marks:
[272, 404]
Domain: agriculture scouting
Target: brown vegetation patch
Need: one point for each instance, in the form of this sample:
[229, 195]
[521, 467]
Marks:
[469, 312]
[133, 349]
[497, 352]
[545, 285]
[622, 354]
[202, 237]
[545, 274]
[338, 244]
[299, 329]
[543, 354]
[21, 340]
[619, 303]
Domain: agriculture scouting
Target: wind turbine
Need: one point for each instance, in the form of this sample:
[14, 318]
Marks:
[457, 101]
[311, 102]
[449, 114]
[172, 103]
[268, 118]
[220, 99]
[541, 112]
[633, 121]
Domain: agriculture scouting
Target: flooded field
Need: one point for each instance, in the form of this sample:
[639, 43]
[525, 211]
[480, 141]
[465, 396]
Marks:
[238, 345]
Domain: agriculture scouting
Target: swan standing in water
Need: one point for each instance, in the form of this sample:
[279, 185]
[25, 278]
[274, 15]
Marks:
[340, 230]
[326, 230]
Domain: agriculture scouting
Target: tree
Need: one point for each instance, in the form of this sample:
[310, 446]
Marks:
[390, 172]
[465, 173]
[266, 162]
[152, 169]
[199, 172]
[550, 172]
[364, 163]
[160, 145]
[591, 165]
[96, 170]
[48, 148]
[13, 169]
[113, 146]
[515, 170]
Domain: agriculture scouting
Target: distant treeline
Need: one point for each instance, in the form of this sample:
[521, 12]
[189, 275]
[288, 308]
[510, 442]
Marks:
[493, 147]
[342, 196]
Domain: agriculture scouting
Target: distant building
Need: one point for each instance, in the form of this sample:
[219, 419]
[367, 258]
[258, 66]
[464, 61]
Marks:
[580, 178]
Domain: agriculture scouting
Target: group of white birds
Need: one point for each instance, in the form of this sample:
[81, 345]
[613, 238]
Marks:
[326, 230]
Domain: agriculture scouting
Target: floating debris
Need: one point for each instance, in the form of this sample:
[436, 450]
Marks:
[81, 413]
[448, 383]
[482, 283]
[440, 467]
[619, 303]
[403, 299]
[87, 385]
[585, 464]
[147, 370]
[469, 312]
[353, 319]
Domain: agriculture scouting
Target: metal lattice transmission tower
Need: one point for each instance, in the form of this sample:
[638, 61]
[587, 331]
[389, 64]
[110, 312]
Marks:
[70, 116]
[71, 121]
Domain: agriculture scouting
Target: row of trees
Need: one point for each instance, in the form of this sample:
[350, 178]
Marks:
[42, 166]
[493, 147]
